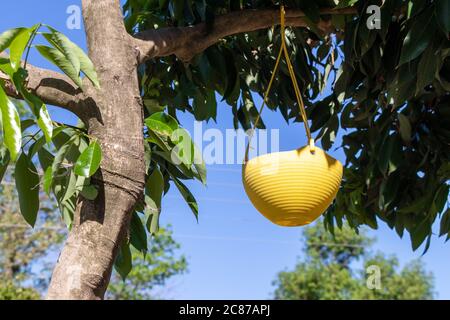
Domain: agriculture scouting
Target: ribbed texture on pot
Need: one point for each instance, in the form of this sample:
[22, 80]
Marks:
[292, 188]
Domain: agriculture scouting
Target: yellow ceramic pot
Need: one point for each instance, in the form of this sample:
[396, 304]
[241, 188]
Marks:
[292, 188]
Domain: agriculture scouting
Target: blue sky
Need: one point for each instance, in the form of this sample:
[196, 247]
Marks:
[233, 252]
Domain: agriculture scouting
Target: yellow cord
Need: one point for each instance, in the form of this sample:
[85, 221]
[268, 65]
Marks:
[298, 94]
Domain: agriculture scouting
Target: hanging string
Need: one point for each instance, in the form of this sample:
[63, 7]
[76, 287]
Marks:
[283, 49]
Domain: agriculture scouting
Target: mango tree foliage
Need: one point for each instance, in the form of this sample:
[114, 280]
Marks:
[389, 96]
[34, 137]
[389, 101]
[67, 156]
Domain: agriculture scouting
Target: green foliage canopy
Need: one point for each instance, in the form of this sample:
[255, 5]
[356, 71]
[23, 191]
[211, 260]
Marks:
[389, 97]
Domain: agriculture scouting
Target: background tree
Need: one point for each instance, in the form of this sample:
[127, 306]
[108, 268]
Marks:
[24, 269]
[23, 251]
[12, 291]
[150, 271]
[390, 91]
[335, 267]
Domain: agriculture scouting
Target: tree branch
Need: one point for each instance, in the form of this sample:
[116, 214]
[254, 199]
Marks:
[186, 42]
[51, 87]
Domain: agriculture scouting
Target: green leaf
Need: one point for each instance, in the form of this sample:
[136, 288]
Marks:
[89, 161]
[180, 167]
[420, 233]
[418, 205]
[396, 157]
[87, 67]
[159, 141]
[26, 124]
[205, 107]
[443, 172]
[443, 14]
[152, 213]
[178, 7]
[4, 161]
[38, 107]
[403, 86]
[405, 128]
[232, 73]
[45, 123]
[147, 156]
[388, 191]
[70, 186]
[60, 156]
[5, 67]
[187, 152]
[7, 37]
[418, 37]
[427, 245]
[45, 158]
[74, 54]
[162, 124]
[200, 166]
[184, 147]
[441, 197]
[1, 129]
[154, 187]
[390, 153]
[48, 179]
[27, 184]
[427, 68]
[385, 154]
[346, 3]
[89, 192]
[410, 7]
[123, 263]
[67, 181]
[65, 46]
[138, 235]
[445, 223]
[67, 210]
[58, 59]
[18, 46]
[11, 125]
[188, 196]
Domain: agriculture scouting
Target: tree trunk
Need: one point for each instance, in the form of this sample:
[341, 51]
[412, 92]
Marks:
[115, 119]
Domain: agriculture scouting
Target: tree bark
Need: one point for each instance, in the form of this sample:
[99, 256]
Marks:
[50, 86]
[115, 118]
[186, 42]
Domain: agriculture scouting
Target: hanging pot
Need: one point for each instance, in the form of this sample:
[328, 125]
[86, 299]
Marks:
[292, 188]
